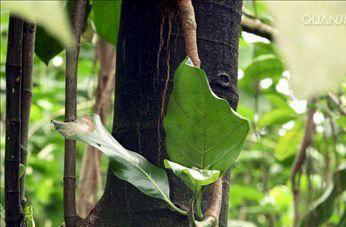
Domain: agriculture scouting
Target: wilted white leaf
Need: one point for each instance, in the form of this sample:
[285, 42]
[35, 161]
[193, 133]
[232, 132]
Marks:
[49, 14]
[311, 38]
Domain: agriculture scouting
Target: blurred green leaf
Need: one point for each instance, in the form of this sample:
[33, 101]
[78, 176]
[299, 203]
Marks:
[2, 212]
[47, 46]
[202, 130]
[277, 116]
[278, 101]
[342, 222]
[247, 52]
[57, 25]
[323, 208]
[264, 66]
[282, 197]
[341, 121]
[107, 19]
[239, 194]
[194, 178]
[288, 144]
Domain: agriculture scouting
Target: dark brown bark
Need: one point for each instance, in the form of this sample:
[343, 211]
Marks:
[146, 61]
[13, 212]
[27, 55]
[90, 183]
[70, 214]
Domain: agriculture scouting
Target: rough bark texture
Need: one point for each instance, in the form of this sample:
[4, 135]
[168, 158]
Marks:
[26, 89]
[150, 47]
[13, 213]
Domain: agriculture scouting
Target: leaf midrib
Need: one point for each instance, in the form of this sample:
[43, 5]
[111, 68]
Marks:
[133, 163]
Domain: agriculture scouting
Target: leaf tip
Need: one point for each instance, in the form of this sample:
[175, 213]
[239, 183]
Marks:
[82, 125]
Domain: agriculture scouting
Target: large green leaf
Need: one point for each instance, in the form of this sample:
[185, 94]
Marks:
[46, 46]
[194, 178]
[323, 208]
[107, 18]
[125, 164]
[201, 129]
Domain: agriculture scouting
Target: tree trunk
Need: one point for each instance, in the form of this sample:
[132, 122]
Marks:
[90, 183]
[13, 213]
[29, 30]
[150, 48]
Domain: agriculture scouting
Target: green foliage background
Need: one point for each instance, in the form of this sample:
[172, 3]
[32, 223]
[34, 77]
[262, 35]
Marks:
[260, 193]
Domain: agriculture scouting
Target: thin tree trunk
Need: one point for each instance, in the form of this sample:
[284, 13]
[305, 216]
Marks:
[150, 47]
[27, 55]
[13, 212]
[70, 213]
[300, 160]
[91, 171]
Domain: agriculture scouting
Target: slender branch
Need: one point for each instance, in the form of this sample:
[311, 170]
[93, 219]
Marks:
[257, 27]
[29, 30]
[70, 214]
[189, 28]
[214, 200]
[13, 212]
[301, 157]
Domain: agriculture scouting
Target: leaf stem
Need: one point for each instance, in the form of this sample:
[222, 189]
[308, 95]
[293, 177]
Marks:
[199, 204]
[175, 208]
[191, 213]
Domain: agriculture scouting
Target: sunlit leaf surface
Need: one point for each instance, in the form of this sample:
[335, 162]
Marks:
[194, 178]
[202, 130]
